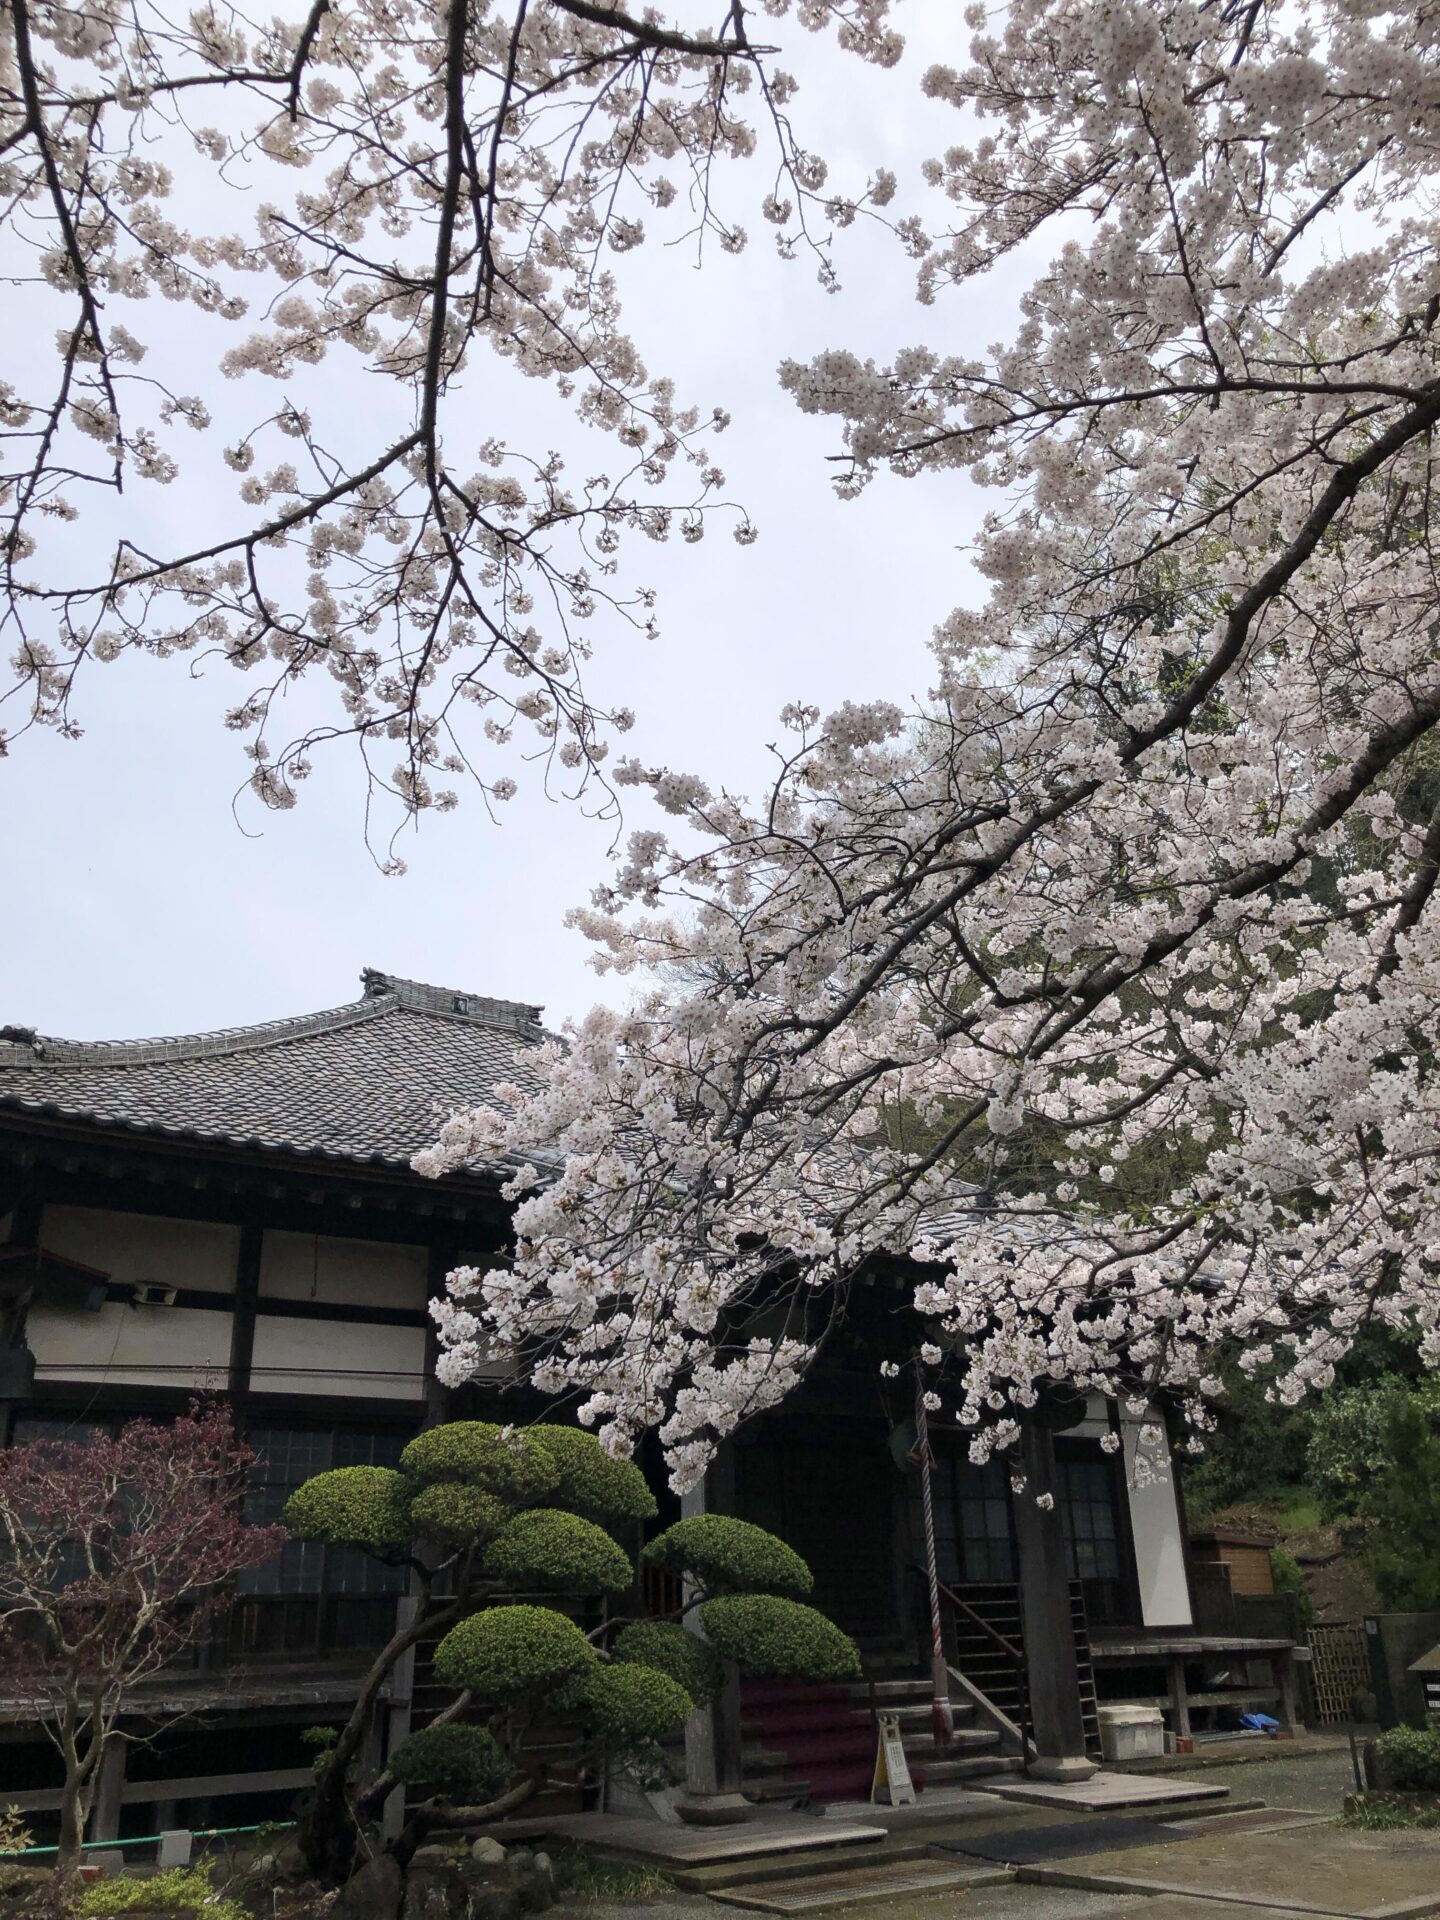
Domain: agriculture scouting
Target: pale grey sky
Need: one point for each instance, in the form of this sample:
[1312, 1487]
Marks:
[135, 905]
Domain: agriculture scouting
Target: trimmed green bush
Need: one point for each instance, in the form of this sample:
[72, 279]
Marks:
[778, 1639]
[591, 1483]
[451, 1511]
[465, 1764]
[505, 1461]
[690, 1662]
[629, 1705]
[179, 1890]
[365, 1507]
[729, 1556]
[559, 1552]
[508, 1651]
[1409, 1758]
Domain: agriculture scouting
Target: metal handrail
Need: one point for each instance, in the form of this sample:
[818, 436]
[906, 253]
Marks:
[1016, 1659]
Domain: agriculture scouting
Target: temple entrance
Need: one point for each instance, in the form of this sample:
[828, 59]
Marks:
[832, 1495]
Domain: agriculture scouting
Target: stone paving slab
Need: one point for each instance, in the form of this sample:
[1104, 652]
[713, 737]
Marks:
[860, 1886]
[679, 1845]
[1319, 1869]
[1102, 1792]
[1111, 1833]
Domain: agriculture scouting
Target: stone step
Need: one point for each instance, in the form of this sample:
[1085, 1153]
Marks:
[885, 1884]
[950, 1771]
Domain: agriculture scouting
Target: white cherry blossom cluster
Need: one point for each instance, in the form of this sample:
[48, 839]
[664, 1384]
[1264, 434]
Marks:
[1101, 989]
[350, 200]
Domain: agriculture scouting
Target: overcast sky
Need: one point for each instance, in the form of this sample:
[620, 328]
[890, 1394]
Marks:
[135, 904]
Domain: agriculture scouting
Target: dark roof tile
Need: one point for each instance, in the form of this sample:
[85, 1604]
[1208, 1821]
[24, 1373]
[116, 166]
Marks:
[370, 1081]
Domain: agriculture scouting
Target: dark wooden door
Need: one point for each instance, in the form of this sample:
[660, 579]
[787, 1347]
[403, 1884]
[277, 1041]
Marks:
[832, 1497]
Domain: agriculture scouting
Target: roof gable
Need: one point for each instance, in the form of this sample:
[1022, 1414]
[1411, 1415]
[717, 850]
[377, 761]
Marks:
[370, 1081]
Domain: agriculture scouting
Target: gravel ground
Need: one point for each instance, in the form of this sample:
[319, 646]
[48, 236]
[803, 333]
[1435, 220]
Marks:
[1317, 1781]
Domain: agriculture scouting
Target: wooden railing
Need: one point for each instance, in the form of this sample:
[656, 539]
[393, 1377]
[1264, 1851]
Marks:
[1016, 1657]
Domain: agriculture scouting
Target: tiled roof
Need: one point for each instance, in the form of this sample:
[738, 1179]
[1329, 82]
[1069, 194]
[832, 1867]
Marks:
[369, 1081]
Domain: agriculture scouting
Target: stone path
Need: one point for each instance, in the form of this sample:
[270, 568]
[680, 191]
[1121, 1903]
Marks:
[1102, 1792]
[1324, 1869]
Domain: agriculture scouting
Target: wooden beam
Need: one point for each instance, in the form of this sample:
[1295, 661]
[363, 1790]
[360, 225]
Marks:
[242, 1326]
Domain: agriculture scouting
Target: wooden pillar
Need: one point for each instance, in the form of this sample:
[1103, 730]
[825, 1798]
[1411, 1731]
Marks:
[1056, 1724]
[1179, 1698]
[399, 1718]
[242, 1323]
[104, 1823]
[442, 1256]
[712, 1734]
[25, 1221]
[1289, 1715]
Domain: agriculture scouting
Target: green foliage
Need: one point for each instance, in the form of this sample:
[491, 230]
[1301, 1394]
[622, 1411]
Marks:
[663, 1644]
[178, 1890]
[365, 1507]
[779, 1639]
[1409, 1758]
[585, 1876]
[451, 1511]
[729, 1556]
[465, 1764]
[1403, 1507]
[628, 1706]
[1349, 1443]
[559, 1551]
[507, 1652]
[1256, 1451]
[1383, 1813]
[1285, 1572]
[505, 1461]
[591, 1483]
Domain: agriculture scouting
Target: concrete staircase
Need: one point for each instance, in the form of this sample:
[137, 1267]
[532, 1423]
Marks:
[807, 1744]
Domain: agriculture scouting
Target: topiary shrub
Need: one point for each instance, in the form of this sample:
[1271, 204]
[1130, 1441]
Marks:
[729, 1556]
[451, 1511]
[592, 1483]
[778, 1639]
[505, 1461]
[465, 1764]
[628, 1705]
[365, 1507]
[179, 1890]
[559, 1552]
[509, 1651]
[1409, 1758]
[689, 1661]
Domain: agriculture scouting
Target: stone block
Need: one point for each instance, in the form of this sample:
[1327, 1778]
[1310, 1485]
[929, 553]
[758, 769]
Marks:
[373, 1893]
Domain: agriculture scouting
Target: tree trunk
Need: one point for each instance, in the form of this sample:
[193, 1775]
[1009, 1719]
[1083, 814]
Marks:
[326, 1832]
[72, 1821]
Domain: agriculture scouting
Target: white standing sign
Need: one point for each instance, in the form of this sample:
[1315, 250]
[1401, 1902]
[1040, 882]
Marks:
[892, 1771]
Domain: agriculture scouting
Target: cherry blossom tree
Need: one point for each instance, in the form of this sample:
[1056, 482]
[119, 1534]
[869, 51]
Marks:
[1148, 879]
[116, 1552]
[393, 189]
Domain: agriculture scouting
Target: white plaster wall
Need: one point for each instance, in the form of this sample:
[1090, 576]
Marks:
[144, 1247]
[1096, 1423]
[362, 1273]
[338, 1357]
[131, 1346]
[1155, 1524]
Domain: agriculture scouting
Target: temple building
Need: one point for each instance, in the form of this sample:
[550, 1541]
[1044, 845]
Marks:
[236, 1212]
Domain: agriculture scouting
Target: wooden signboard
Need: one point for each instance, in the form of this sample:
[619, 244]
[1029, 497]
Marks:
[892, 1784]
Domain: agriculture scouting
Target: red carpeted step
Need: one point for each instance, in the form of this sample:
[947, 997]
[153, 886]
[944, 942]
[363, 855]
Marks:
[808, 1750]
[790, 1693]
[799, 1719]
